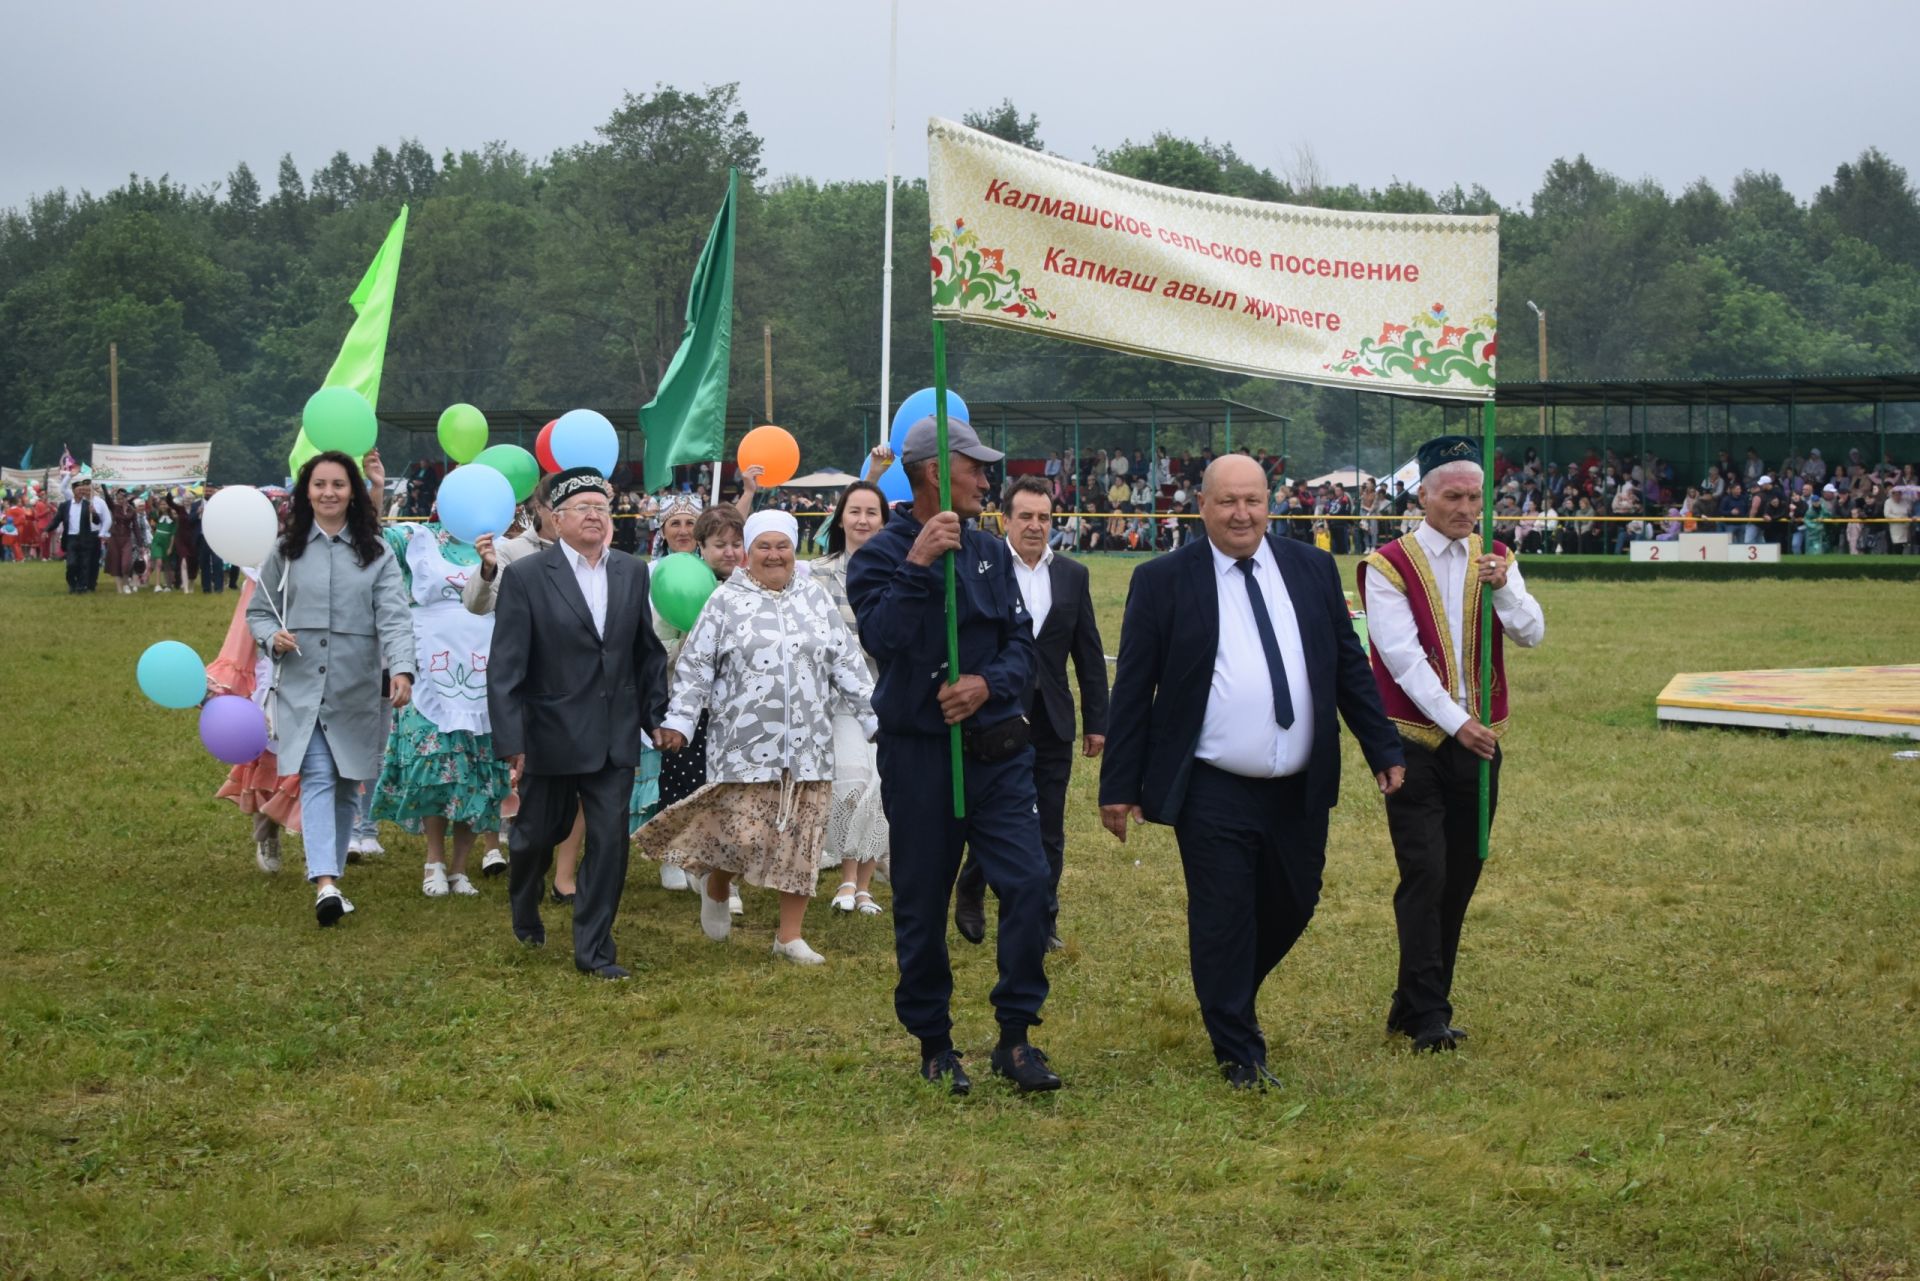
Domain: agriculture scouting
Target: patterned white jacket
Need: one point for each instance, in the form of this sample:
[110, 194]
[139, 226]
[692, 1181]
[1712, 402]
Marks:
[772, 669]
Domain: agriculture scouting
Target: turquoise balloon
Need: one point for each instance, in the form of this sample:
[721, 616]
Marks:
[340, 418]
[516, 464]
[475, 500]
[172, 675]
[680, 586]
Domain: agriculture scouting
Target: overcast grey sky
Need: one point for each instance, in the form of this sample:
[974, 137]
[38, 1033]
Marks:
[90, 91]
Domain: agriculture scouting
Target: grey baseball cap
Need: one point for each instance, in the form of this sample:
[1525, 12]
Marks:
[923, 442]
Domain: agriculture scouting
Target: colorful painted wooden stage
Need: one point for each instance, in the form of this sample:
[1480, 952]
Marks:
[1883, 702]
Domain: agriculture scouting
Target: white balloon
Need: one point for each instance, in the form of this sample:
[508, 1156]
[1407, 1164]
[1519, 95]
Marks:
[240, 524]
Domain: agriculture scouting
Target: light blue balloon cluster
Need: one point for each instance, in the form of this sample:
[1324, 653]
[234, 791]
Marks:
[893, 481]
[475, 500]
[583, 438]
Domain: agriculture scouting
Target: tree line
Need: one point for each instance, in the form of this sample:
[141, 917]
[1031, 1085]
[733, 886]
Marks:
[561, 281]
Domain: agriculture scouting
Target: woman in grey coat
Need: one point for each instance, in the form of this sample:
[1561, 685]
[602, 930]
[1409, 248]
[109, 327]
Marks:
[330, 612]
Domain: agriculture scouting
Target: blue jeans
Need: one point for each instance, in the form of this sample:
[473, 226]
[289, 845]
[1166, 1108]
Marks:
[1799, 543]
[326, 809]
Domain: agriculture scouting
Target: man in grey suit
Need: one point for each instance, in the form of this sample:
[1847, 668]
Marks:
[576, 677]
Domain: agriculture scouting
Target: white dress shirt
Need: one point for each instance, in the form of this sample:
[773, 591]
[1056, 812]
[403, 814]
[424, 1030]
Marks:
[1390, 627]
[593, 585]
[1036, 584]
[1238, 733]
[102, 517]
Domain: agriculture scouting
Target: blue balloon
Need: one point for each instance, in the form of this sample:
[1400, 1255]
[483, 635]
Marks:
[893, 481]
[172, 675]
[583, 438]
[474, 500]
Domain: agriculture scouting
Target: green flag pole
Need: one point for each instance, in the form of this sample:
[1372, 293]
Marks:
[1486, 622]
[946, 505]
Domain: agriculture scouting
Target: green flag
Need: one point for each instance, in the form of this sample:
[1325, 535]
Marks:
[687, 421]
[365, 350]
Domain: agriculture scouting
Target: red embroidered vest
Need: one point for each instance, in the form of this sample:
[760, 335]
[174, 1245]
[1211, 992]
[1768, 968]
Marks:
[1404, 564]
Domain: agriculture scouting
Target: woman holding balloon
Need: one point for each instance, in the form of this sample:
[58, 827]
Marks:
[330, 610]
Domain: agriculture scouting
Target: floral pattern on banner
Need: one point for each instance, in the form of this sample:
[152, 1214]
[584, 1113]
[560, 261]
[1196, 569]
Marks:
[1429, 348]
[965, 274]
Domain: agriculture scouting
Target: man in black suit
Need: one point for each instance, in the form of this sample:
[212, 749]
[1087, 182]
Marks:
[575, 678]
[1236, 652]
[84, 522]
[1061, 606]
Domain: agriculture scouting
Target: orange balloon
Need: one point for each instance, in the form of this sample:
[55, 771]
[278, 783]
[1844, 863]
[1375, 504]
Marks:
[775, 450]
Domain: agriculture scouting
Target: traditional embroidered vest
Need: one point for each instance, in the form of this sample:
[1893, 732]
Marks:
[1404, 564]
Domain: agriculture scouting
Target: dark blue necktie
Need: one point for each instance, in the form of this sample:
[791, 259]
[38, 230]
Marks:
[1276, 669]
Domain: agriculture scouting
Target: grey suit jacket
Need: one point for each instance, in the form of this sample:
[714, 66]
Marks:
[574, 701]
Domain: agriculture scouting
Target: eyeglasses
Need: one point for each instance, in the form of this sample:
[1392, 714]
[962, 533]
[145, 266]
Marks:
[586, 509]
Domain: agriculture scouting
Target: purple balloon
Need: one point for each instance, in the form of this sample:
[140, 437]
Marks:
[233, 729]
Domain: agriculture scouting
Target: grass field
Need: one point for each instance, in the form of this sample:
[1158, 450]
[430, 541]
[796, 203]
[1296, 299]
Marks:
[1690, 974]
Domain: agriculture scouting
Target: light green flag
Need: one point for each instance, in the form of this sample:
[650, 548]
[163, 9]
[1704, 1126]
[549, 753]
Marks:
[687, 421]
[364, 352]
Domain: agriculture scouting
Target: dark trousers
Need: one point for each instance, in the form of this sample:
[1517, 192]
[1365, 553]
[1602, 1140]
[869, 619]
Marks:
[83, 562]
[1002, 831]
[1052, 771]
[1253, 855]
[548, 803]
[1435, 822]
[213, 570]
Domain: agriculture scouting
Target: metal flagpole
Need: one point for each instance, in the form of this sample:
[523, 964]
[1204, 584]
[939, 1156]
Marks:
[946, 505]
[886, 265]
[1486, 622]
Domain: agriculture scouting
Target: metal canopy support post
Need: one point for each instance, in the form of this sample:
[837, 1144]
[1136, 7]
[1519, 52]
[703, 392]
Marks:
[1153, 475]
[1229, 430]
[1078, 497]
[1393, 407]
[1790, 424]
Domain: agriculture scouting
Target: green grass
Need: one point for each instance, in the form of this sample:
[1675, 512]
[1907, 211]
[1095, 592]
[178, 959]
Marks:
[1690, 974]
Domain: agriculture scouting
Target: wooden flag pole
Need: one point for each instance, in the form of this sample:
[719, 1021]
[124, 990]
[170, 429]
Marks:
[953, 610]
[1486, 622]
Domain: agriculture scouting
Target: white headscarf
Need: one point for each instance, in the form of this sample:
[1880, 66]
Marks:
[770, 522]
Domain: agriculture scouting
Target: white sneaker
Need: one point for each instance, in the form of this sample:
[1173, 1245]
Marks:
[494, 863]
[734, 906]
[715, 920]
[434, 884]
[459, 884]
[674, 878]
[329, 905]
[266, 856]
[370, 845]
[798, 952]
[355, 851]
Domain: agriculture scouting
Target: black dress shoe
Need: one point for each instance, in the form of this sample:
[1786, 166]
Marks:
[1249, 1076]
[612, 973]
[946, 1065]
[970, 916]
[1026, 1066]
[1458, 1034]
[556, 896]
[1432, 1039]
[531, 941]
[1053, 943]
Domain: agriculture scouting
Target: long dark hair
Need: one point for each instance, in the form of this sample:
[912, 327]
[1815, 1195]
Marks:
[837, 532]
[363, 521]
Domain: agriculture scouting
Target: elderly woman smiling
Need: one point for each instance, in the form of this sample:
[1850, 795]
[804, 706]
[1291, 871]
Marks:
[771, 660]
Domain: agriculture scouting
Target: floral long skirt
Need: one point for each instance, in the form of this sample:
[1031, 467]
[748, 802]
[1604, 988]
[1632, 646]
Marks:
[747, 829]
[434, 773]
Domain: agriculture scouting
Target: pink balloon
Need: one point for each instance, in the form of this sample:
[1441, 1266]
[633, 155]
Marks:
[233, 729]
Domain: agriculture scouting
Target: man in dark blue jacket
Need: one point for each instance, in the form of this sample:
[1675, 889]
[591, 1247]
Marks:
[1237, 658]
[896, 585]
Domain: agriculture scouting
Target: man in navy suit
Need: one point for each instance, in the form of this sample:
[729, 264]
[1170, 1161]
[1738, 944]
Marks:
[1060, 603]
[1236, 653]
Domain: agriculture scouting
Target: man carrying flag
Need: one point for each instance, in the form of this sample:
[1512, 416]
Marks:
[894, 586]
[1422, 594]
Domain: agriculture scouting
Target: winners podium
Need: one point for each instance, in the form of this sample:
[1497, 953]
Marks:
[1711, 549]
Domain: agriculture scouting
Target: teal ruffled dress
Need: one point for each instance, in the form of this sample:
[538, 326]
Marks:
[440, 761]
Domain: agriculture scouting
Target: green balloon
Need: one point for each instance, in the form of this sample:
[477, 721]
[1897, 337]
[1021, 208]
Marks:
[516, 464]
[303, 449]
[340, 418]
[681, 584]
[463, 432]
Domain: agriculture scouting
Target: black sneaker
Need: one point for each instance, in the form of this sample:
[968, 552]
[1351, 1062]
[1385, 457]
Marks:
[1249, 1076]
[1433, 1038]
[1026, 1066]
[946, 1064]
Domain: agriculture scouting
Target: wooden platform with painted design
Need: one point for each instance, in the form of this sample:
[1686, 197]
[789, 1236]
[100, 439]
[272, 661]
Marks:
[1883, 702]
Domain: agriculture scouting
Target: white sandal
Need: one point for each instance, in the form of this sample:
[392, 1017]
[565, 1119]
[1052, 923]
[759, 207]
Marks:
[866, 905]
[842, 900]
